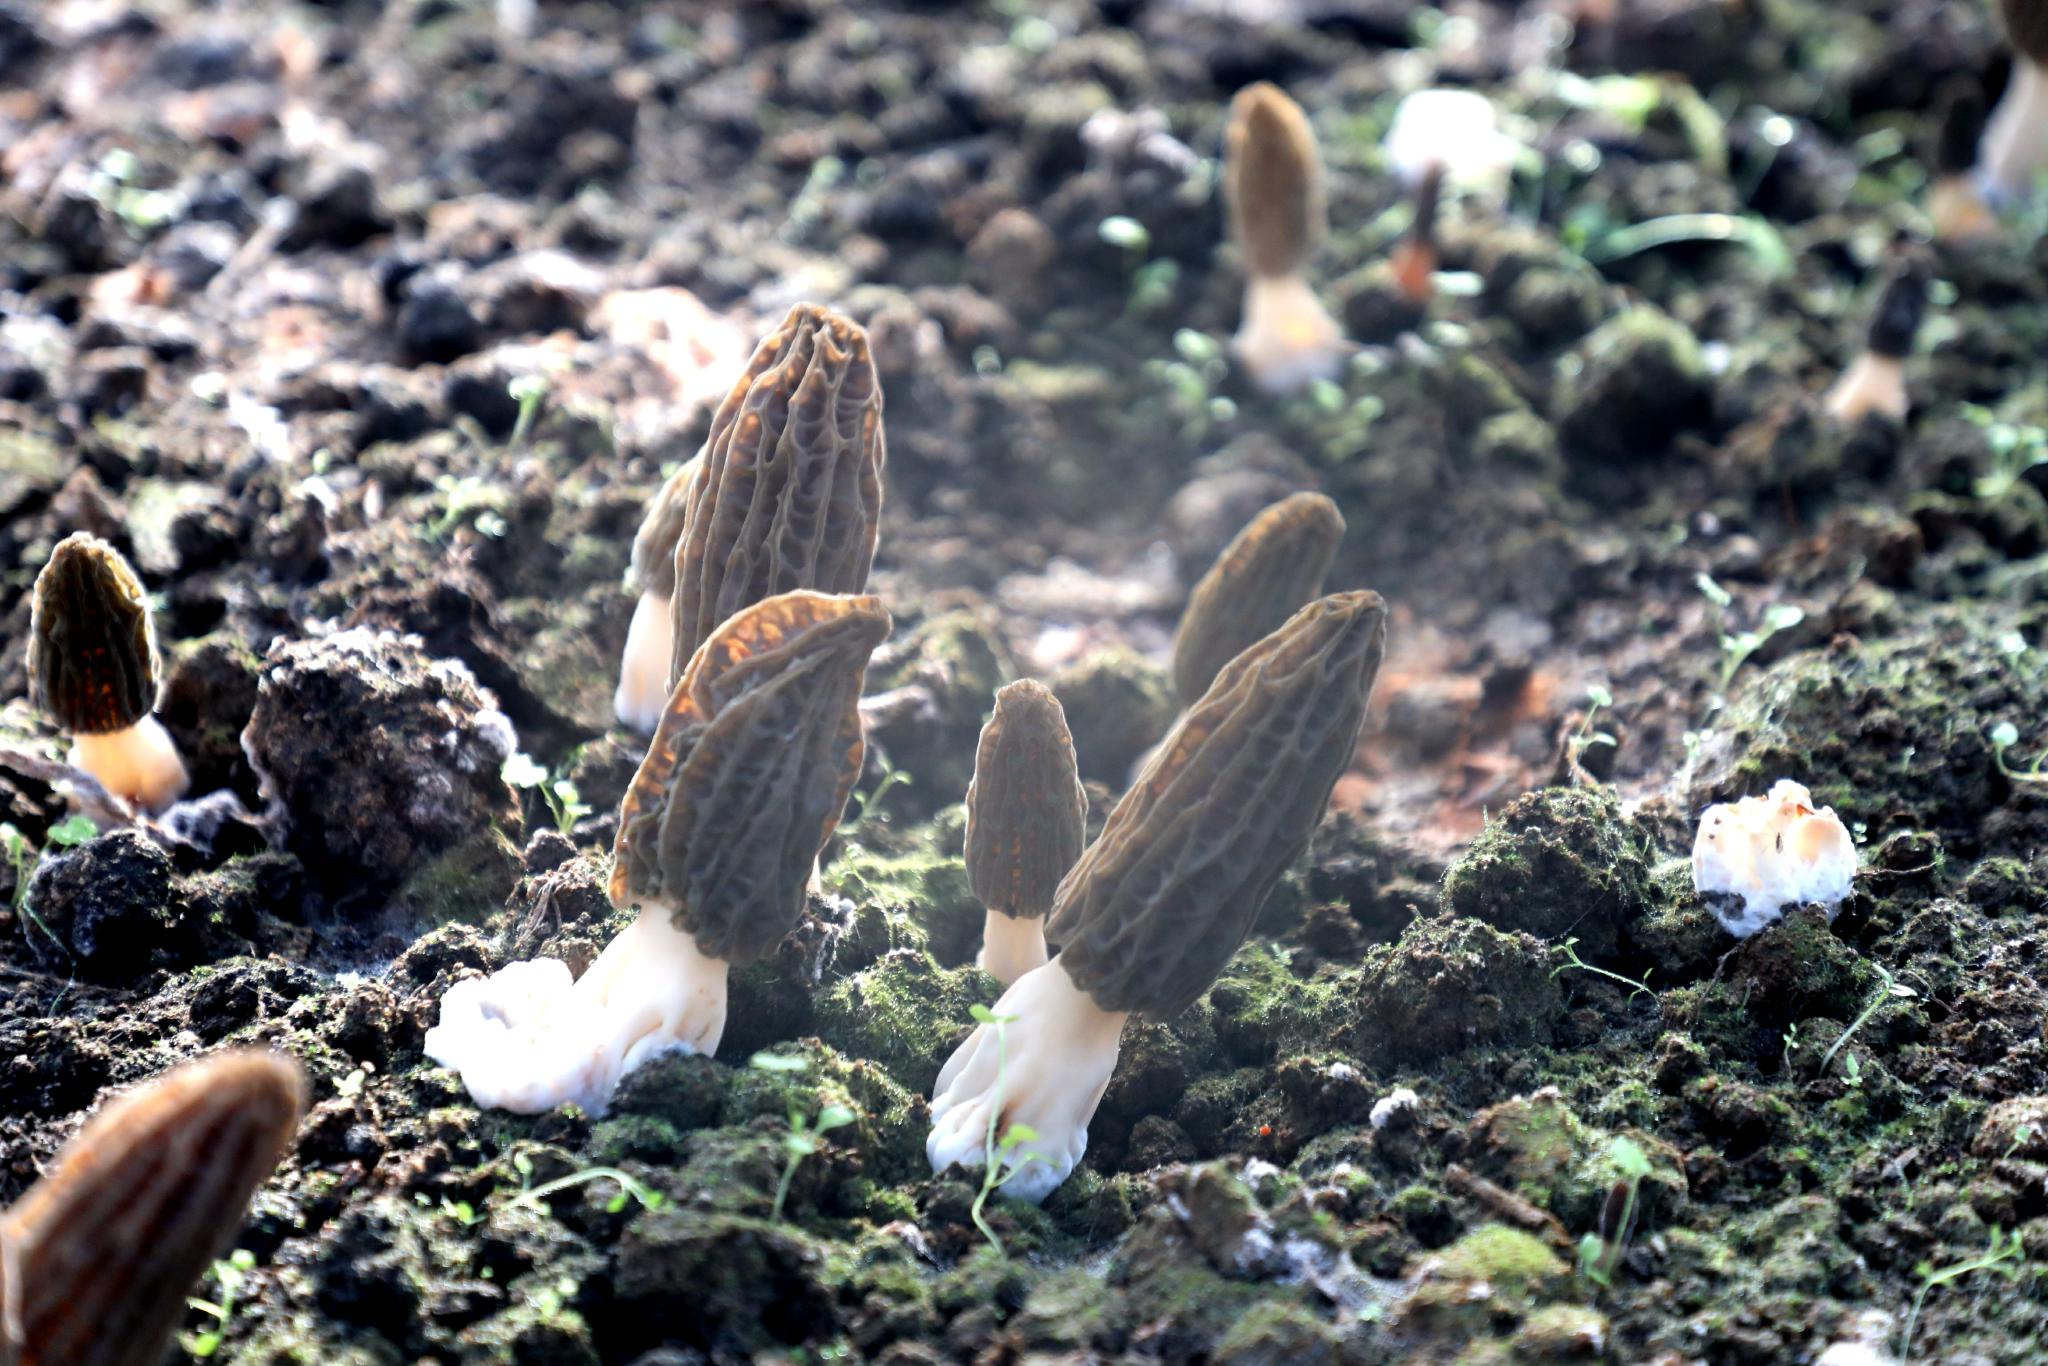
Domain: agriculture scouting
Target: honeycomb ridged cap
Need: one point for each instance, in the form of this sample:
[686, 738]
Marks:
[92, 661]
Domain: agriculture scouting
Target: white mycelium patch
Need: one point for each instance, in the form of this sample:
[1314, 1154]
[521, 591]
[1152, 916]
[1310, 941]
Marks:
[1753, 858]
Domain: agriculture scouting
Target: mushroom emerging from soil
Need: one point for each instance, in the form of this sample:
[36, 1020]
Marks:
[92, 665]
[1158, 904]
[1269, 569]
[1026, 814]
[1273, 184]
[1959, 213]
[97, 1259]
[1414, 257]
[786, 494]
[719, 834]
[2015, 146]
[1875, 381]
[1753, 858]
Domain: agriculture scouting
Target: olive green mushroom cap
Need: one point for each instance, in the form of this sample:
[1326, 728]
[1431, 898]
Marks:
[749, 771]
[1162, 899]
[1268, 570]
[787, 493]
[92, 661]
[1026, 810]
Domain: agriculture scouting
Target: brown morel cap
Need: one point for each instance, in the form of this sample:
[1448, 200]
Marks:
[92, 661]
[1896, 319]
[1026, 811]
[1269, 569]
[749, 771]
[105, 1248]
[1272, 181]
[1165, 895]
[789, 493]
[1959, 128]
[2026, 23]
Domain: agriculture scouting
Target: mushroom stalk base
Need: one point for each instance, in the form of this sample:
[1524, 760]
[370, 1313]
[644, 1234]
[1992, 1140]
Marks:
[1046, 1068]
[1011, 945]
[1871, 384]
[2014, 148]
[1287, 339]
[643, 672]
[527, 1039]
[139, 763]
[1959, 213]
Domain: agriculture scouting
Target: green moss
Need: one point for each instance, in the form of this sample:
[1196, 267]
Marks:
[1118, 705]
[1263, 1009]
[1450, 983]
[1529, 1144]
[1518, 441]
[1558, 862]
[468, 883]
[906, 1013]
[1277, 1333]
[1493, 1273]
[1637, 380]
[908, 878]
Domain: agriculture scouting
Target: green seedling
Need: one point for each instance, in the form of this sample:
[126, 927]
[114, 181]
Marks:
[460, 498]
[1762, 240]
[2020, 1137]
[22, 855]
[1600, 1253]
[998, 1151]
[1738, 646]
[805, 1136]
[529, 390]
[230, 1273]
[2004, 736]
[630, 1187]
[866, 802]
[565, 803]
[2016, 448]
[1569, 948]
[1889, 990]
[2005, 1257]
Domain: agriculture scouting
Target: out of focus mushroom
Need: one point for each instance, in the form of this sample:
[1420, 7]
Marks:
[92, 665]
[97, 1259]
[2014, 150]
[1414, 256]
[1026, 812]
[1875, 381]
[651, 637]
[1270, 568]
[1158, 904]
[719, 834]
[1958, 211]
[1273, 184]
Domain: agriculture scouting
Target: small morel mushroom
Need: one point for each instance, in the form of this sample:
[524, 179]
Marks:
[1414, 257]
[1875, 381]
[1753, 858]
[2015, 146]
[1269, 569]
[1958, 211]
[1273, 184]
[651, 638]
[97, 1259]
[1026, 814]
[1159, 903]
[719, 834]
[92, 665]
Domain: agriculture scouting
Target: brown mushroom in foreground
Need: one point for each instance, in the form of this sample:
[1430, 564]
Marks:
[97, 1259]
[1875, 381]
[92, 665]
[1273, 186]
[745, 780]
[1026, 813]
[2014, 149]
[1270, 568]
[1162, 899]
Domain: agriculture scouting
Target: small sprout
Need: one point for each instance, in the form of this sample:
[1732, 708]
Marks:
[1753, 858]
[1273, 186]
[528, 391]
[631, 1188]
[1958, 211]
[1025, 817]
[230, 1274]
[997, 1168]
[565, 803]
[97, 1260]
[2004, 736]
[1263, 576]
[1888, 990]
[2004, 1257]
[1570, 949]
[92, 666]
[1601, 1253]
[1125, 234]
[1738, 646]
[1875, 381]
[2014, 149]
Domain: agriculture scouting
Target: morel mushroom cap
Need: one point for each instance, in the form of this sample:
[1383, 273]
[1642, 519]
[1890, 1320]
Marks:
[1026, 813]
[1269, 569]
[1958, 211]
[98, 1257]
[789, 494]
[2015, 145]
[1168, 891]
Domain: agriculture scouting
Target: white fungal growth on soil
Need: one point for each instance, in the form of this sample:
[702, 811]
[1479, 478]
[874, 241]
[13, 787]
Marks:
[1755, 857]
[139, 763]
[527, 1038]
[1456, 129]
[643, 673]
[1045, 1069]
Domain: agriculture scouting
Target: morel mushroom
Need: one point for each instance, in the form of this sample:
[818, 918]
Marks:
[1025, 817]
[92, 665]
[2014, 150]
[651, 637]
[1414, 256]
[1875, 381]
[97, 1259]
[1162, 899]
[719, 834]
[1273, 184]
[1958, 211]
[1269, 569]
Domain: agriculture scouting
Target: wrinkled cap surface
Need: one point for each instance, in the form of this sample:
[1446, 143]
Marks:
[92, 662]
[1268, 570]
[749, 771]
[1162, 899]
[1026, 811]
[1272, 181]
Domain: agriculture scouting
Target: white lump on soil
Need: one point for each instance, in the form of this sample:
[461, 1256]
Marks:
[1755, 857]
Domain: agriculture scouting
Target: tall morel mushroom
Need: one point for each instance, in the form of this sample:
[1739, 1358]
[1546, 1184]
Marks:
[743, 783]
[1269, 569]
[1162, 899]
[92, 665]
[1875, 381]
[786, 494]
[1273, 185]
[2014, 149]
[1026, 814]
[97, 1259]
[1956, 209]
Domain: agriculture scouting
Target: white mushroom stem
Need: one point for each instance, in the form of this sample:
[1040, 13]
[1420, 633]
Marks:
[139, 763]
[1959, 212]
[1871, 384]
[1287, 339]
[527, 1039]
[2014, 148]
[1011, 945]
[1045, 1069]
[643, 673]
